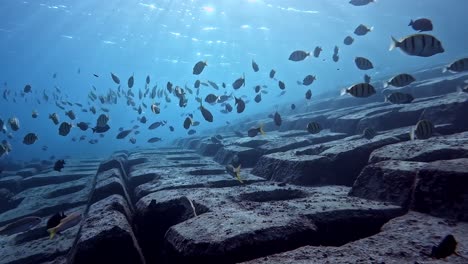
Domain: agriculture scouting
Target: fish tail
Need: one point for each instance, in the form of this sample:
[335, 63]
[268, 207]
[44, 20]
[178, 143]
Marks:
[52, 232]
[395, 43]
[261, 129]
[344, 91]
[371, 28]
[411, 22]
[445, 69]
[385, 85]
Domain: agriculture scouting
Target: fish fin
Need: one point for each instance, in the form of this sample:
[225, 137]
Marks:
[395, 43]
[371, 28]
[261, 129]
[411, 22]
[385, 85]
[344, 91]
[52, 232]
[445, 69]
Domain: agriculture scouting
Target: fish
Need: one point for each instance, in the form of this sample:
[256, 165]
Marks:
[314, 128]
[197, 84]
[362, 30]
[423, 130]
[211, 98]
[21, 225]
[293, 106]
[281, 85]
[257, 88]
[400, 80]
[335, 57]
[206, 114]
[421, 24]
[154, 140]
[361, 90]
[460, 65]
[83, 126]
[34, 114]
[308, 80]
[58, 166]
[239, 82]
[71, 115]
[133, 140]
[54, 220]
[399, 98]
[155, 109]
[54, 75]
[156, 125]
[27, 88]
[317, 51]
[65, 223]
[228, 108]
[224, 85]
[253, 132]
[101, 129]
[171, 128]
[115, 78]
[102, 120]
[123, 134]
[348, 40]
[191, 132]
[30, 139]
[131, 81]
[214, 85]
[93, 110]
[255, 66]
[257, 99]
[299, 55]
[369, 133]
[421, 45]
[240, 105]
[55, 118]
[367, 78]
[198, 67]
[446, 247]
[95, 75]
[235, 172]
[148, 79]
[308, 94]
[277, 119]
[363, 63]
[14, 123]
[361, 2]
[65, 129]
[272, 74]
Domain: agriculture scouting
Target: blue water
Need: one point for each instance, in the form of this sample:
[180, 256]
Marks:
[164, 39]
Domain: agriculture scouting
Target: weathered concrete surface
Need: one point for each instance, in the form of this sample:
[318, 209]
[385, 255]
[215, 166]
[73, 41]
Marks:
[238, 223]
[406, 239]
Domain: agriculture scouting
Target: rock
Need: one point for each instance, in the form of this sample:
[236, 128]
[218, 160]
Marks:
[438, 188]
[394, 244]
[208, 149]
[247, 156]
[27, 172]
[107, 236]
[432, 149]
[12, 183]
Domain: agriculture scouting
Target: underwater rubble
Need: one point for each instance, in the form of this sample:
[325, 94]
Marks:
[330, 197]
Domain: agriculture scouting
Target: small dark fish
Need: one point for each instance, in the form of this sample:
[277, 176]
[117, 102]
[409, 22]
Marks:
[446, 247]
[361, 90]
[191, 132]
[257, 88]
[224, 85]
[199, 66]
[143, 120]
[258, 98]
[272, 74]
[148, 79]
[64, 129]
[101, 129]
[313, 127]
[277, 118]
[55, 220]
[308, 80]
[197, 84]
[293, 106]
[422, 24]
[240, 105]
[298, 55]
[155, 125]
[362, 30]
[423, 130]
[133, 140]
[308, 94]
[367, 78]
[131, 81]
[58, 166]
[363, 63]
[169, 86]
[361, 2]
[206, 114]
[154, 140]
[171, 128]
[54, 75]
[123, 134]
[83, 126]
[399, 98]
[253, 132]
[115, 78]
[317, 51]
[228, 108]
[214, 85]
[95, 75]
[239, 82]
[27, 89]
[255, 66]
[211, 98]
[281, 85]
[348, 40]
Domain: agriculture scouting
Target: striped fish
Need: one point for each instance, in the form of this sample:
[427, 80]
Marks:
[359, 90]
[55, 118]
[30, 139]
[102, 120]
[399, 98]
[363, 63]
[423, 130]
[421, 45]
[313, 128]
[65, 128]
[14, 123]
[400, 80]
[457, 66]
[369, 133]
